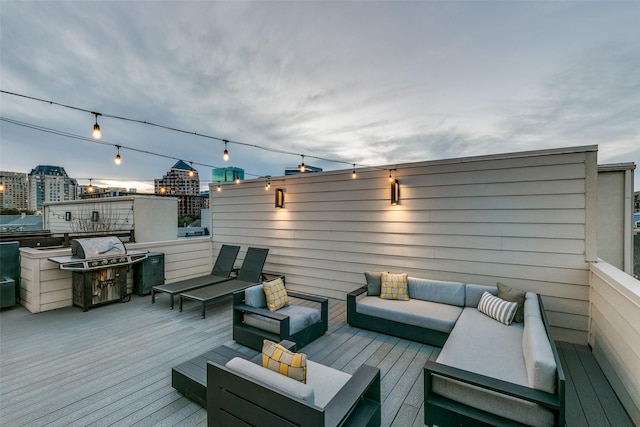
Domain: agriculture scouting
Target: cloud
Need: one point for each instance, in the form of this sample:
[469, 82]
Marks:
[371, 83]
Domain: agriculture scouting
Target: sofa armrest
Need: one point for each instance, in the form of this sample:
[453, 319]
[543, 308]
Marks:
[357, 292]
[261, 312]
[548, 400]
[308, 297]
[364, 384]
[283, 319]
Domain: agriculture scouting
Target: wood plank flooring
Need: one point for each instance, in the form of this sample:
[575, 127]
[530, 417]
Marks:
[111, 366]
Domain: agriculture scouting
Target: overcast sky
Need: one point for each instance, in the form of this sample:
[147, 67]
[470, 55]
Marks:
[372, 83]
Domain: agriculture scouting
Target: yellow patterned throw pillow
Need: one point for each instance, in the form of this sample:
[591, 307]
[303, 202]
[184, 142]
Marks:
[279, 359]
[394, 286]
[276, 294]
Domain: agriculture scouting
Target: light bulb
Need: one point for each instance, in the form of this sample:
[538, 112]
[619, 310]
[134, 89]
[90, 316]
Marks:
[96, 131]
[353, 174]
[225, 155]
[118, 160]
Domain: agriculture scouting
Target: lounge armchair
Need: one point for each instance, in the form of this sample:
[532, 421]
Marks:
[244, 393]
[253, 322]
[221, 272]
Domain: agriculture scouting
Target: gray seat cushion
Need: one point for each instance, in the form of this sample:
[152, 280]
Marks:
[485, 346]
[424, 314]
[300, 317]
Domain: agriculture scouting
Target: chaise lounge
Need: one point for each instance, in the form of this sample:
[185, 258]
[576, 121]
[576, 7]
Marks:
[221, 272]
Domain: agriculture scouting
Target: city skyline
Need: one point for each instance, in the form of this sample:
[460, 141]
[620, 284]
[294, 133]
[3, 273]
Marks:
[368, 83]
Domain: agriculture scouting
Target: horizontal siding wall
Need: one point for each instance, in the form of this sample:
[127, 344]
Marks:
[615, 331]
[519, 218]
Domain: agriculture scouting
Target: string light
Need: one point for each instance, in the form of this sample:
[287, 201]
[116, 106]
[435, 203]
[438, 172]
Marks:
[90, 188]
[118, 160]
[96, 128]
[219, 187]
[97, 133]
[390, 177]
[225, 155]
[1, 186]
[191, 172]
[353, 174]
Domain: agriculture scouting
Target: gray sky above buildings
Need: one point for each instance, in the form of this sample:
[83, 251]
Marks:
[373, 83]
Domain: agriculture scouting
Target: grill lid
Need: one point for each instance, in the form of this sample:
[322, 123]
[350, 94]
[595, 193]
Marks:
[98, 247]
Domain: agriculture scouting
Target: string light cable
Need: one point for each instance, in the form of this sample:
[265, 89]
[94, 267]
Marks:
[174, 129]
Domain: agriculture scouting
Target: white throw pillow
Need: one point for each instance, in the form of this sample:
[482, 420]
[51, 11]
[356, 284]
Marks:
[497, 308]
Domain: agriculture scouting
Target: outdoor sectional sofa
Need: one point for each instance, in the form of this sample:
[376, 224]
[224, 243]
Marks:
[487, 373]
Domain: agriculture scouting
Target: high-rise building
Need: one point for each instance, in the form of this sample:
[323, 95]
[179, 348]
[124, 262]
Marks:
[182, 181]
[14, 189]
[227, 174]
[49, 184]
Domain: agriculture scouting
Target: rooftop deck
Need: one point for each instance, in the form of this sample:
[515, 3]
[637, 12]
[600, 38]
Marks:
[112, 365]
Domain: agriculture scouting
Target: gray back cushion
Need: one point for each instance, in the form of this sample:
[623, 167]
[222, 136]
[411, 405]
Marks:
[272, 378]
[473, 293]
[254, 296]
[373, 282]
[531, 305]
[451, 293]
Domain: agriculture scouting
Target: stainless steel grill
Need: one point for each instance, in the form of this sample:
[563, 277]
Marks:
[99, 268]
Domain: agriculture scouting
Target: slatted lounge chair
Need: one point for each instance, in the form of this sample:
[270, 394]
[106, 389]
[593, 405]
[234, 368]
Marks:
[249, 274]
[221, 272]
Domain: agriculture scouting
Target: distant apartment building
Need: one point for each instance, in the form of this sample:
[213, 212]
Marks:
[49, 184]
[227, 174]
[182, 182]
[14, 190]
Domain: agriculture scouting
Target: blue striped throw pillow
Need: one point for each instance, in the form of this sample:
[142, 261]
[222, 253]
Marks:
[496, 308]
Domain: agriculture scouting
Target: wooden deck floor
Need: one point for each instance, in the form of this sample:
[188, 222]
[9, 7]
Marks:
[112, 365]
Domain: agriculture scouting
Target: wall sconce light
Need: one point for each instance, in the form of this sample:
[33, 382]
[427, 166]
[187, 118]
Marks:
[279, 198]
[95, 216]
[67, 216]
[395, 192]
